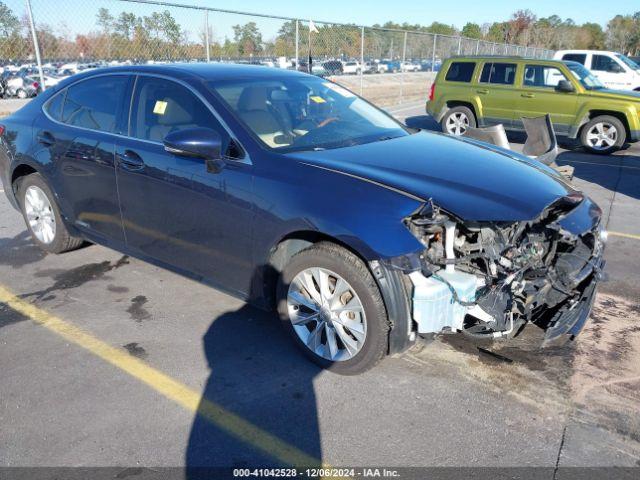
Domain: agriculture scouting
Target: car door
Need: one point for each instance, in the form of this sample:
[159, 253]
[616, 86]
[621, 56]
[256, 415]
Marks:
[177, 209]
[497, 93]
[609, 71]
[538, 96]
[79, 135]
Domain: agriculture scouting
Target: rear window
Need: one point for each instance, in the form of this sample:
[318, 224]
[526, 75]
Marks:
[575, 57]
[460, 72]
[498, 73]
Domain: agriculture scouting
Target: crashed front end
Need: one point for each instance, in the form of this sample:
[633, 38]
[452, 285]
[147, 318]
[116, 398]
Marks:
[489, 279]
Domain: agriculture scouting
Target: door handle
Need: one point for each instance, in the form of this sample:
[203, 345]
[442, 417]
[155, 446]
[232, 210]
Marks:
[527, 95]
[483, 91]
[130, 160]
[45, 138]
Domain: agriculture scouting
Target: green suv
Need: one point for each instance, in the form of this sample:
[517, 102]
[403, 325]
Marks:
[484, 91]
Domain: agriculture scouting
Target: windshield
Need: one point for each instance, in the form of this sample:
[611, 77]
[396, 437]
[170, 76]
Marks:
[628, 62]
[305, 113]
[586, 78]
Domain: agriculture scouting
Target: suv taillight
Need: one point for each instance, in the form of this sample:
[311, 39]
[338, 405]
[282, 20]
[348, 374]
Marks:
[432, 92]
[36, 85]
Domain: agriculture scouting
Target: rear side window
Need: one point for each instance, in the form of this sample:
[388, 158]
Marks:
[93, 103]
[498, 73]
[54, 106]
[460, 72]
[575, 57]
[162, 107]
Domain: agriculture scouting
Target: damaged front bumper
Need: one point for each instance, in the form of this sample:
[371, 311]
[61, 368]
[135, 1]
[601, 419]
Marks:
[489, 280]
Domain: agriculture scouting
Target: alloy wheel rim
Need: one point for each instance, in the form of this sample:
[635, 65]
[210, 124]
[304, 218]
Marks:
[40, 216]
[326, 314]
[602, 135]
[457, 124]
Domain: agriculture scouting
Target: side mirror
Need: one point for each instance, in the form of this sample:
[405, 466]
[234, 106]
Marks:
[564, 86]
[195, 142]
[616, 68]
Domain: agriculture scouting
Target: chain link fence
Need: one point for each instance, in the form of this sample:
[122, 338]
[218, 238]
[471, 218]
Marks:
[386, 66]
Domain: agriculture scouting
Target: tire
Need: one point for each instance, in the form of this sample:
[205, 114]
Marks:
[21, 93]
[609, 141]
[457, 119]
[359, 287]
[61, 240]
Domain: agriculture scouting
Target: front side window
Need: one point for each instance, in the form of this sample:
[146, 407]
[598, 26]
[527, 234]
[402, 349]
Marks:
[575, 57]
[93, 103]
[603, 63]
[162, 107]
[304, 113]
[498, 73]
[460, 72]
[542, 76]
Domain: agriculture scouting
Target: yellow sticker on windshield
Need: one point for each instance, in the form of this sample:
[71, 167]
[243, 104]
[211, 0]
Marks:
[318, 99]
[159, 107]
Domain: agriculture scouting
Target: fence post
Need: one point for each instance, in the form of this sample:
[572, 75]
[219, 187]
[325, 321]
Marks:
[361, 58]
[402, 67]
[36, 47]
[477, 46]
[206, 35]
[433, 54]
[297, 43]
[459, 45]
[493, 47]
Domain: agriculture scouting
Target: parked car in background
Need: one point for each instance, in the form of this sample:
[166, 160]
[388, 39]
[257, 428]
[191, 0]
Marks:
[483, 91]
[213, 163]
[614, 70]
[409, 67]
[333, 67]
[391, 66]
[351, 68]
[21, 87]
[369, 67]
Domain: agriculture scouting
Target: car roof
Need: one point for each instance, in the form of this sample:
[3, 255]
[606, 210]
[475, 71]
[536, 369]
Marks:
[512, 58]
[576, 50]
[203, 71]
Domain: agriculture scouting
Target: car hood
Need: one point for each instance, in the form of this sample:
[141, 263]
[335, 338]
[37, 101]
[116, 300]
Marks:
[616, 94]
[472, 180]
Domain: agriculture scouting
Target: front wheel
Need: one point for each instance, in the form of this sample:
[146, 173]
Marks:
[42, 215]
[21, 93]
[603, 135]
[331, 306]
[457, 120]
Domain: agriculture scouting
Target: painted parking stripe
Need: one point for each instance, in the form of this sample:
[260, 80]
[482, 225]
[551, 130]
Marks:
[624, 235]
[170, 388]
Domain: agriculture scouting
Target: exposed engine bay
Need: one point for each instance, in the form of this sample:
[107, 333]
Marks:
[492, 278]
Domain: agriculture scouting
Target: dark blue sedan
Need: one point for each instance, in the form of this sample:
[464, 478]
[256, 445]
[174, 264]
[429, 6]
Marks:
[293, 193]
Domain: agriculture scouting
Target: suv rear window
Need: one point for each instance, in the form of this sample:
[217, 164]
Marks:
[460, 72]
[499, 73]
[575, 57]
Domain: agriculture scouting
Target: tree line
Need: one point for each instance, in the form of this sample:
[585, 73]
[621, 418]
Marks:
[160, 36]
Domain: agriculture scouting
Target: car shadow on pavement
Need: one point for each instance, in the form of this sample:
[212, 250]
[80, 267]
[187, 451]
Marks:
[259, 376]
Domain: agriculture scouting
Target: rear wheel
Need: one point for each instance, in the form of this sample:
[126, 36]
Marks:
[331, 306]
[42, 215]
[457, 120]
[603, 135]
[21, 93]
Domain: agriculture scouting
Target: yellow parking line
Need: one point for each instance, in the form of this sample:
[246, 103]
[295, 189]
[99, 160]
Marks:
[165, 385]
[624, 235]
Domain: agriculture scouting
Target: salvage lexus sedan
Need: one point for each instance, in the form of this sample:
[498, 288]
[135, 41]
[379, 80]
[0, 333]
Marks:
[293, 193]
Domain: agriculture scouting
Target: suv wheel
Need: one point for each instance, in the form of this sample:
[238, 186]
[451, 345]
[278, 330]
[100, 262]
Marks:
[330, 304]
[603, 135]
[21, 93]
[42, 215]
[457, 120]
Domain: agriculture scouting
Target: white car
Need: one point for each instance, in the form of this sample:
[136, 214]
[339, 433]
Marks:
[409, 67]
[614, 70]
[351, 68]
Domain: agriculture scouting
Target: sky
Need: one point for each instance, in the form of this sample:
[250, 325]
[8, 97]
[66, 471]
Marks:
[78, 16]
